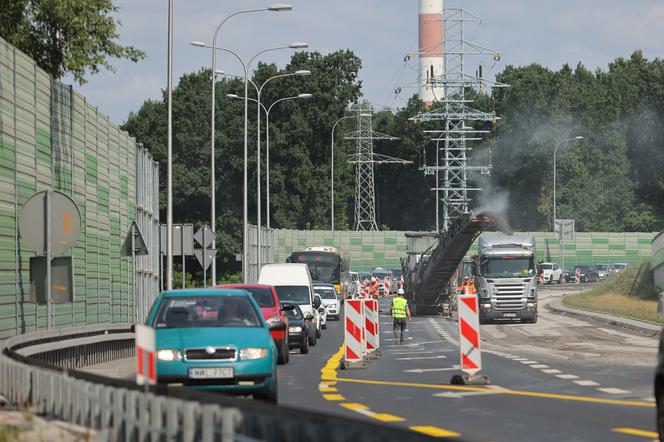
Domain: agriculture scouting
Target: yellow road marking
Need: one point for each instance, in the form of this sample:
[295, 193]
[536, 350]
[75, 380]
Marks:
[434, 431]
[354, 406]
[636, 432]
[385, 417]
[510, 392]
[327, 389]
[334, 397]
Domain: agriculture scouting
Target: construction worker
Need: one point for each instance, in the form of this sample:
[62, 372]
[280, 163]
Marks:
[374, 288]
[399, 311]
[468, 286]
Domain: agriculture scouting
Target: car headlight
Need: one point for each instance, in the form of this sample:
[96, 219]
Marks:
[530, 305]
[274, 320]
[169, 355]
[253, 353]
[295, 329]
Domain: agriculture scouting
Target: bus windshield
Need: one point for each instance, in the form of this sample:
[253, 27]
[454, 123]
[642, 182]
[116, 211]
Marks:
[507, 267]
[324, 266]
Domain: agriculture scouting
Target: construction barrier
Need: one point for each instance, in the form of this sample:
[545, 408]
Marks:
[386, 285]
[371, 324]
[354, 331]
[469, 341]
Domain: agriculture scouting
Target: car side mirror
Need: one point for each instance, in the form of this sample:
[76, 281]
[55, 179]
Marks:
[287, 307]
[316, 301]
[132, 328]
[321, 310]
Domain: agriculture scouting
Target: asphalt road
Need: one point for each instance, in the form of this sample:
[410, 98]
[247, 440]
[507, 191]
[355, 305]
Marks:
[562, 379]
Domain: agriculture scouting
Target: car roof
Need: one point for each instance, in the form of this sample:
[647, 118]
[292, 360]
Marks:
[203, 292]
[244, 286]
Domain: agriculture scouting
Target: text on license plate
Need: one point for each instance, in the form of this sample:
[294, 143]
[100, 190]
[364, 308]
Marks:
[211, 373]
[509, 315]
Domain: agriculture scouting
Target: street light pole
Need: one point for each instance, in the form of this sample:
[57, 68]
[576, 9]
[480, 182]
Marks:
[277, 7]
[555, 150]
[562, 237]
[169, 162]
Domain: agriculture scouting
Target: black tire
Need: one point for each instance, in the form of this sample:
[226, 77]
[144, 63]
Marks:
[282, 358]
[304, 347]
[273, 395]
[312, 340]
[324, 326]
[318, 333]
[659, 397]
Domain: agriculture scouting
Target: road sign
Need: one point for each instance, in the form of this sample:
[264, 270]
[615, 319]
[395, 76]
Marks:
[62, 280]
[146, 355]
[135, 241]
[205, 237]
[469, 334]
[204, 257]
[183, 239]
[65, 222]
[564, 229]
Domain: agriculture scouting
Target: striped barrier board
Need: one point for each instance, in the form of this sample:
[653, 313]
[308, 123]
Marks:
[386, 285]
[469, 334]
[371, 324]
[353, 331]
[146, 360]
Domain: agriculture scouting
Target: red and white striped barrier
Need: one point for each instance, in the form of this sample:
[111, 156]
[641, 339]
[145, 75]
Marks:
[371, 324]
[401, 282]
[386, 285]
[146, 357]
[354, 331]
[469, 334]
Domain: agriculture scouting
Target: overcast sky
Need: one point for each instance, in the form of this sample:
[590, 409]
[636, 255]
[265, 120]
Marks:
[380, 32]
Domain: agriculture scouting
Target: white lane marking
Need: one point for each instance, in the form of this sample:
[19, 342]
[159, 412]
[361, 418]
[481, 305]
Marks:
[539, 366]
[551, 370]
[529, 362]
[520, 359]
[648, 399]
[417, 358]
[567, 376]
[409, 352]
[461, 395]
[427, 370]
[586, 383]
[612, 390]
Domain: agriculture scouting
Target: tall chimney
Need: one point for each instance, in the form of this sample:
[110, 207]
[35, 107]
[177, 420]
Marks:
[431, 46]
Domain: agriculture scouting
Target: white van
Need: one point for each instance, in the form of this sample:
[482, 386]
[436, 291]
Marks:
[293, 283]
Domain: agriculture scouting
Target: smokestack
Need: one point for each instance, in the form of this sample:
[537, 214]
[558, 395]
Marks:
[431, 46]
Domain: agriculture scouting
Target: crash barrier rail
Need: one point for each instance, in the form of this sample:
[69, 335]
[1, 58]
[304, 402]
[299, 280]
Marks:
[123, 411]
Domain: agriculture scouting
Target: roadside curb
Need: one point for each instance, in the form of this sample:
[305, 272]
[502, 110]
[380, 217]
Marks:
[644, 327]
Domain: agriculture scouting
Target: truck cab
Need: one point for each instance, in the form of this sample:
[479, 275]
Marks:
[506, 278]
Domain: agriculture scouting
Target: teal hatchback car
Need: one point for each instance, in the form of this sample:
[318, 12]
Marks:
[214, 339]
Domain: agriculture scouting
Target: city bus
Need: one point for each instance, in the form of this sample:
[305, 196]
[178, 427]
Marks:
[326, 264]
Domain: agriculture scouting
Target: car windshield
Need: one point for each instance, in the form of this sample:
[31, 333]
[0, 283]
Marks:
[547, 266]
[507, 268]
[262, 296]
[602, 267]
[619, 266]
[208, 311]
[295, 293]
[382, 275]
[326, 292]
[296, 313]
[353, 277]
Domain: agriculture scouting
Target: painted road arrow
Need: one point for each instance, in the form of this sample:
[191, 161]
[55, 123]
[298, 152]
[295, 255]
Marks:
[417, 358]
[427, 370]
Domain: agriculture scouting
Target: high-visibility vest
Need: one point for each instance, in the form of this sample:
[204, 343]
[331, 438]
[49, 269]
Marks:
[399, 306]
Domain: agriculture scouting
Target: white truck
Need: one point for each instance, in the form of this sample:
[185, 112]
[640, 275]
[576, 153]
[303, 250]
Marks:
[506, 278]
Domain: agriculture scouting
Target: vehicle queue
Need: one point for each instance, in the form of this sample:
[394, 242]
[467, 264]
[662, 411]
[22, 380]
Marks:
[230, 338]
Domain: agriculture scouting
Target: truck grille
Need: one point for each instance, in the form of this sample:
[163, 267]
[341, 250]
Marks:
[201, 354]
[509, 296]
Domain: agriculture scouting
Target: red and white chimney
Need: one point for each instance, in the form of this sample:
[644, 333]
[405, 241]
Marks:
[431, 47]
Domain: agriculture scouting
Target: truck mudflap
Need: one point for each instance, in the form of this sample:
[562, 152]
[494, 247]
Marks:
[528, 315]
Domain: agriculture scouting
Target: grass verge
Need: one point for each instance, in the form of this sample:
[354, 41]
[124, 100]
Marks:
[615, 303]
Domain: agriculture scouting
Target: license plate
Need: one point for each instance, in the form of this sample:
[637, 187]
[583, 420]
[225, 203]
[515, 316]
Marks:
[509, 315]
[211, 373]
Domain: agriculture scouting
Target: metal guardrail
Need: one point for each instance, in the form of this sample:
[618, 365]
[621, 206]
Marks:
[38, 371]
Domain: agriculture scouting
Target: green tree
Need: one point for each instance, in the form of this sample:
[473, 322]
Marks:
[65, 36]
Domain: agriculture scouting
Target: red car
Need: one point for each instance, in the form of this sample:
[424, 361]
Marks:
[266, 298]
